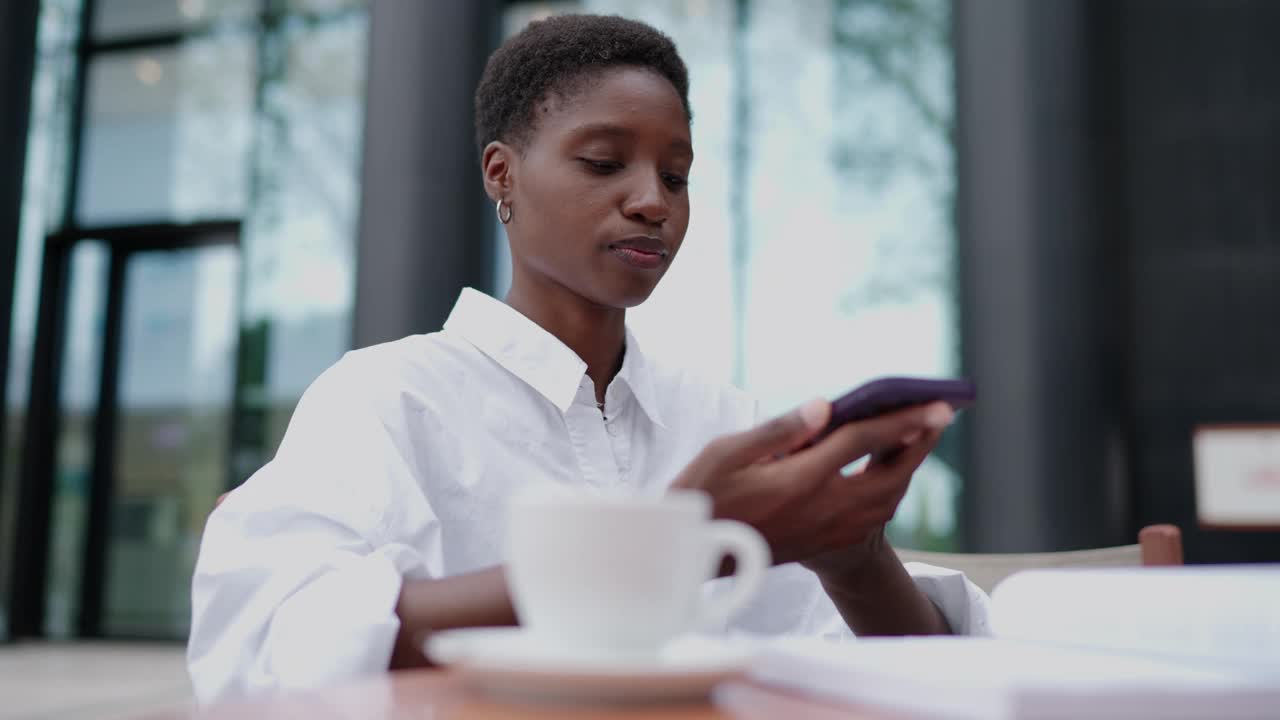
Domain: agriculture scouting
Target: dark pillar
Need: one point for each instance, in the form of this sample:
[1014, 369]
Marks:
[1046, 444]
[424, 228]
[17, 62]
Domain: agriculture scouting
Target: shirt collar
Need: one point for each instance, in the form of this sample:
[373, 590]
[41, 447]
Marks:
[537, 357]
[638, 376]
[518, 344]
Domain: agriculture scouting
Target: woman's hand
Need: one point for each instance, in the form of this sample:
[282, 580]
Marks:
[847, 562]
[800, 502]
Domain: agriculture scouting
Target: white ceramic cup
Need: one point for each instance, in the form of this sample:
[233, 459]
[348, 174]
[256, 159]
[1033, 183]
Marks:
[615, 578]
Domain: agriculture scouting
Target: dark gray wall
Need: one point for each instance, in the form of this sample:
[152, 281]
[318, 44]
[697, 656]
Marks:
[1119, 219]
[424, 232]
[1197, 86]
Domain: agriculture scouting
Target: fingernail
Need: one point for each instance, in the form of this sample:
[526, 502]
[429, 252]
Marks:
[911, 437]
[814, 413]
[938, 416]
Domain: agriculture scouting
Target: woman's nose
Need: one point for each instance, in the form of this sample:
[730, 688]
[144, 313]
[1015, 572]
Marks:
[647, 201]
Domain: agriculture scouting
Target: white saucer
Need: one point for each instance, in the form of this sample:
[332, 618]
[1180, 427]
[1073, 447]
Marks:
[508, 662]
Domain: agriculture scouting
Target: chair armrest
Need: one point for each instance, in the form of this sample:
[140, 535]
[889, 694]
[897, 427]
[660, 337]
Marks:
[1161, 545]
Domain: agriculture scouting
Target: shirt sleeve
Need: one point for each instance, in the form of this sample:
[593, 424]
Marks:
[300, 568]
[964, 605]
[793, 603]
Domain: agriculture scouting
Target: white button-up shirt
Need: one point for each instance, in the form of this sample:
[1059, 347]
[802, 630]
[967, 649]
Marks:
[397, 464]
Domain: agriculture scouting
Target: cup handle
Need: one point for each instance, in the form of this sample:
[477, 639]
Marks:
[751, 559]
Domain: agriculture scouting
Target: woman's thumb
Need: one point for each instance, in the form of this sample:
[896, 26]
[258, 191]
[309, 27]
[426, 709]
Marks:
[782, 434]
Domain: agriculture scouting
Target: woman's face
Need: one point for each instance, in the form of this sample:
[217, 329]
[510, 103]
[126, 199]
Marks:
[598, 195]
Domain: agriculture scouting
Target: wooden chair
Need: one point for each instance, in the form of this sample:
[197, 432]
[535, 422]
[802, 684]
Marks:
[1157, 545]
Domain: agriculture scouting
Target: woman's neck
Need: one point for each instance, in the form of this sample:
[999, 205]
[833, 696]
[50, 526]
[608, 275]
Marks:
[595, 332]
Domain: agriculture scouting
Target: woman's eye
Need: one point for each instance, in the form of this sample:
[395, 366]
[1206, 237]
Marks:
[675, 182]
[603, 167]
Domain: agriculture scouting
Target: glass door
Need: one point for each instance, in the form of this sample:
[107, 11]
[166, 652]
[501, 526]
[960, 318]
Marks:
[141, 439]
[172, 432]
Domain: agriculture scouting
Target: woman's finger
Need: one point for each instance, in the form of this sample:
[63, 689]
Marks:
[779, 435]
[854, 440]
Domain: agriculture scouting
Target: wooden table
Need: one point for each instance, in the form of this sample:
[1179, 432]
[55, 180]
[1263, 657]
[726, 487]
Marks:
[437, 695]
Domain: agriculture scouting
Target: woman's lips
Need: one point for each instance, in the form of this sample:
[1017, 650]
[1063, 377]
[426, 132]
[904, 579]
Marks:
[644, 251]
[638, 258]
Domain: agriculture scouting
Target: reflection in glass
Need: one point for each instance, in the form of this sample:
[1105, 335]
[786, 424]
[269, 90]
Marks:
[176, 133]
[823, 192]
[299, 248]
[167, 133]
[323, 6]
[120, 18]
[172, 434]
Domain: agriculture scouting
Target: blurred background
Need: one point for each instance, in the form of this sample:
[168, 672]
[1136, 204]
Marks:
[204, 203]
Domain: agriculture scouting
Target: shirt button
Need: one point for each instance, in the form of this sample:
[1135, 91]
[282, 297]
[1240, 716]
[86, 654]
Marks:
[611, 429]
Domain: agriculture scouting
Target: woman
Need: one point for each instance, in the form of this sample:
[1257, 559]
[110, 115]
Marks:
[379, 517]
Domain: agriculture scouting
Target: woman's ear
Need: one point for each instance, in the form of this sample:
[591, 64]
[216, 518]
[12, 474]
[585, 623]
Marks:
[495, 167]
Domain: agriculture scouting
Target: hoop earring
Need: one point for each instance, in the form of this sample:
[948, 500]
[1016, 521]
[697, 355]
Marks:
[504, 219]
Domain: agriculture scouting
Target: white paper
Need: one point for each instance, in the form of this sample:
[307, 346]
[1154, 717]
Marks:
[1187, 642]
[1224, 616]
[1006, 679]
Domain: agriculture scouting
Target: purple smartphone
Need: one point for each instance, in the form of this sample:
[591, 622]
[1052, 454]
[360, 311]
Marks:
[884, 395]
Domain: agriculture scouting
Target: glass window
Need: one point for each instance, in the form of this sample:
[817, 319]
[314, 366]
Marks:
[167, 133]
[820, 248]
[186, 121]
[299, 243]
[120, 18]
[323, 6]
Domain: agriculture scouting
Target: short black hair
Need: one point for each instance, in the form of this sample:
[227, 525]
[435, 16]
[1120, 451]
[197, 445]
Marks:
[552, 56]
